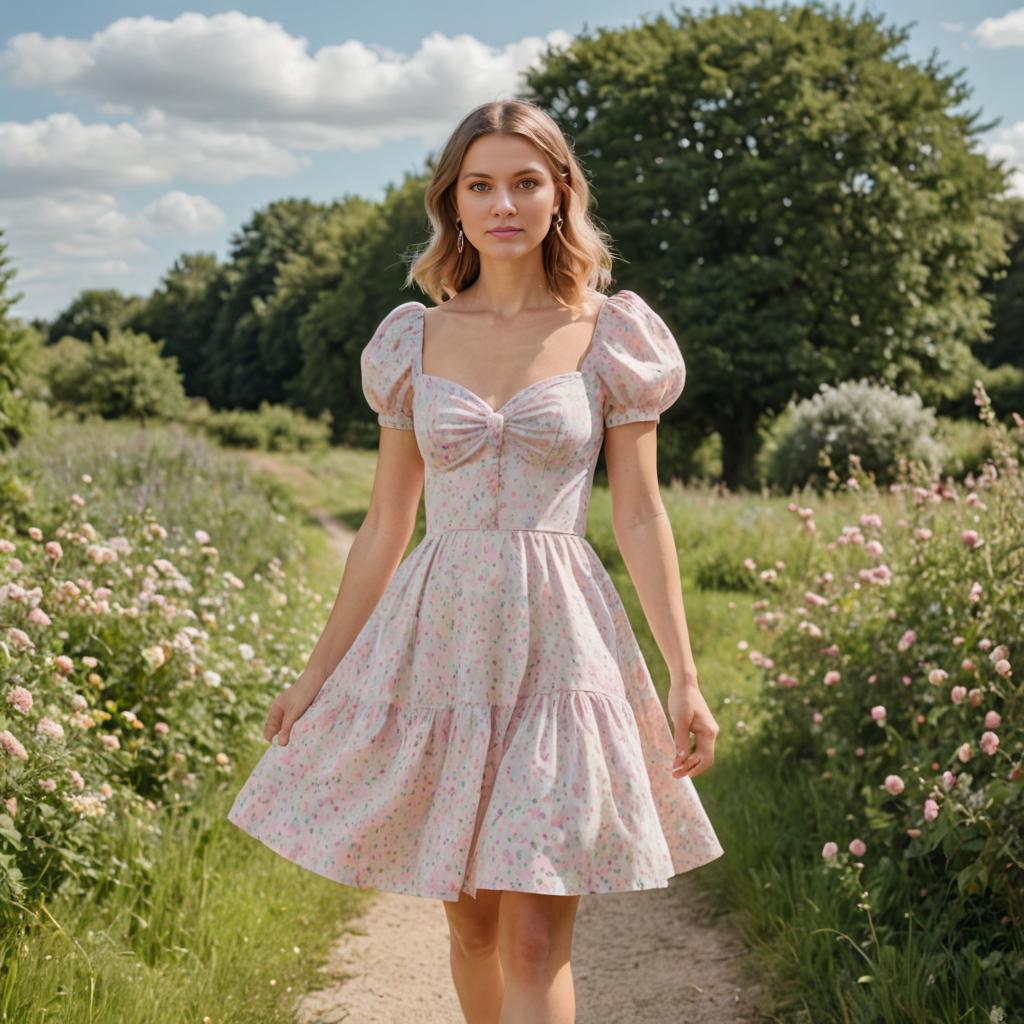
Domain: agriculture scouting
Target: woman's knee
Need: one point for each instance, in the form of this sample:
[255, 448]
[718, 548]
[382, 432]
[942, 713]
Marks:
[535, 933]
[473, 924]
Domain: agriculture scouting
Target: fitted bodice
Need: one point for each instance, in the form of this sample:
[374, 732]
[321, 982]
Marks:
[528, 465]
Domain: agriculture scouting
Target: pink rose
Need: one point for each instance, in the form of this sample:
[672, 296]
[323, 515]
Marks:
[992, 720]
[931, 810]
[878, 713]
[894, 785]
[989, 743]
[958, 694]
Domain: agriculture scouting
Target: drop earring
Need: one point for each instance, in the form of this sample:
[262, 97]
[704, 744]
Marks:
[460, 241]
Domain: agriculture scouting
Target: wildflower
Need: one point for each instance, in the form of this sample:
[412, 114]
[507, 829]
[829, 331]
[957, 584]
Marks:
[857, 847]
[964, 752]
[19, 639]
[154, 656]
[878, 713]
[970, 538]
[992, 720]
[12, 745]
[906, 640]
[829, 850]
[931, 810]
[51, 729]
[894, 785]
[937, 676]
[831, 677]
[958, 694]
[20, 699]
[989, 742]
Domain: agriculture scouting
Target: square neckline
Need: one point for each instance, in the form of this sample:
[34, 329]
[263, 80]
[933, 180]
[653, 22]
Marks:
[496, 410]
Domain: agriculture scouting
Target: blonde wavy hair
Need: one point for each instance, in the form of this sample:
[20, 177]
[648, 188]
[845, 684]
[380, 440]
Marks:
[576, 256]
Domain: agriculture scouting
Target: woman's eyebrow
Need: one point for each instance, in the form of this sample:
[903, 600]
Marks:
[525, 170]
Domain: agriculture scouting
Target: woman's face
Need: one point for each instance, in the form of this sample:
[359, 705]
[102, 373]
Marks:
[504, 181]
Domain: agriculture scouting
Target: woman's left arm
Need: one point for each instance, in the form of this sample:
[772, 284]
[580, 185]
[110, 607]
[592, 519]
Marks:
[644, 535]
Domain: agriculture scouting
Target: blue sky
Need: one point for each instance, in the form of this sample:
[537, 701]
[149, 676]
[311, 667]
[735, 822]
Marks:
[130, 133]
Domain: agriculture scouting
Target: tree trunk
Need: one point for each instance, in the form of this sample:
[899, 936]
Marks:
[740, 445]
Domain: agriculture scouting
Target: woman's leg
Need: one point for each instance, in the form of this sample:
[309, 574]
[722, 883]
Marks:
[535, 945]
[476, 970]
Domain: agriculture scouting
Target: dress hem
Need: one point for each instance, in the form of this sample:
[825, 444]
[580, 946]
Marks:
[349, 879]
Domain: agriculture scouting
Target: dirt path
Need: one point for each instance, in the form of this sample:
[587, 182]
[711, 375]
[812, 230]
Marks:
[654, 957]
[658, 956]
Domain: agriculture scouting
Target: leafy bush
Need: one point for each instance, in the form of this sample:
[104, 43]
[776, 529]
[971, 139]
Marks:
[276, 428]
[890, 677]
[872, 421]
[123, 376]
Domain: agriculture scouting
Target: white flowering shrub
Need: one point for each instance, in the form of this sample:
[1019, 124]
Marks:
[878, 425]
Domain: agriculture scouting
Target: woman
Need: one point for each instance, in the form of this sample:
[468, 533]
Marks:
[477, 723]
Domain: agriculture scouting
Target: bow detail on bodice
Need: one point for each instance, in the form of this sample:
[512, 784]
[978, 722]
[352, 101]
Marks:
[464, 425]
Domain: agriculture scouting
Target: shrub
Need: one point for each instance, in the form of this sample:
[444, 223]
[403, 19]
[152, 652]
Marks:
[276, 428]
[123, 376]
[890, 675]
[881, 427]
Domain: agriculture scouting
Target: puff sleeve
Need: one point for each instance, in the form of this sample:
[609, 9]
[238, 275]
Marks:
[640, 364]
[386, 367]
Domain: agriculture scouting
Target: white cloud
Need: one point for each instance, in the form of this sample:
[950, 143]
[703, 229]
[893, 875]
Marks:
[1001, 32]
[952, 26]
[59, 150]
[1008, 145]
[241, 73]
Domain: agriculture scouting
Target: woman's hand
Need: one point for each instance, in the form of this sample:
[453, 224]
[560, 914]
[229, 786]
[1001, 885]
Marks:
[690, 714]
[287, 708]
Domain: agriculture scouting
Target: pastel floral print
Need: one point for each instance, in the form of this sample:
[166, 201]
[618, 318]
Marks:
[494, 724]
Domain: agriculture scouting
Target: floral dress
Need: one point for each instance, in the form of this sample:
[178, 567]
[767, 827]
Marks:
[494, 724]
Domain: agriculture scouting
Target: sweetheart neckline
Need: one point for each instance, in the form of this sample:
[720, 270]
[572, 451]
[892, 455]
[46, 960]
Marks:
[504, 405]
[420, 372]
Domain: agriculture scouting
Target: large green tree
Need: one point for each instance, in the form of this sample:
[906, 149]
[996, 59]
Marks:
[16, 344]
[798, 199]
[94, 311]
[235, 371]
[182, 311]
[1006, 342]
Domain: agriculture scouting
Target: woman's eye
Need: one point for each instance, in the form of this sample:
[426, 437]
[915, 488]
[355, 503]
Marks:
[472, 187]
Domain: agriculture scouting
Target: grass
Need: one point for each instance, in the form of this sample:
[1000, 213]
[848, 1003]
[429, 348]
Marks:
[215, 928]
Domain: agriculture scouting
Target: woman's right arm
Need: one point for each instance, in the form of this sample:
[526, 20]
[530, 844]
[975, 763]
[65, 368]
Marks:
[373, 558]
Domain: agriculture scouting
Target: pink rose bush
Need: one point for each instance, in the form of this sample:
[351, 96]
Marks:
[133, 660]
[899, 695]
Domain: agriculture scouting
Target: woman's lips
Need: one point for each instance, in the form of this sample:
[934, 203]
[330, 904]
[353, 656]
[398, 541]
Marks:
[505, 232]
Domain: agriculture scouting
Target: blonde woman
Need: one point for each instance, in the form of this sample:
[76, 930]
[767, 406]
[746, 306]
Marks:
[476, 723]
